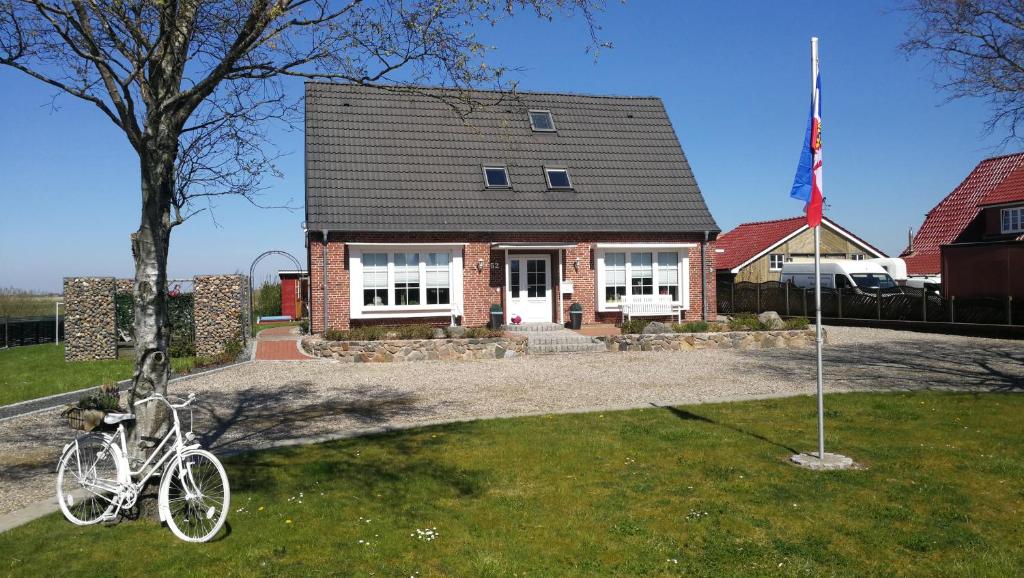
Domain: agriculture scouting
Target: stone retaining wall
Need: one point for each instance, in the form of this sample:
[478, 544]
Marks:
[89, 319]
[724, 340]
[221, 312]
[416, 349]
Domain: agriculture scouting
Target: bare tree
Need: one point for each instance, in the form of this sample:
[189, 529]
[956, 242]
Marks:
[193, 84]
[978, 46]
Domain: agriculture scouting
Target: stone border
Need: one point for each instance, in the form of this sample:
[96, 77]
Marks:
[723, 340]
[416, 349]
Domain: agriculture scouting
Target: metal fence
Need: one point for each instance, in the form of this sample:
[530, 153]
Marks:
[899, 303]
[31, 330]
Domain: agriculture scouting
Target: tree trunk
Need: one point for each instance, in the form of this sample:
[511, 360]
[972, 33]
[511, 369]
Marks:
[149, 248]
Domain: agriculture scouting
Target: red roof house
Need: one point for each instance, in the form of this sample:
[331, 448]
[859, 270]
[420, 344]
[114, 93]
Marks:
[755, 251]
[958, 217]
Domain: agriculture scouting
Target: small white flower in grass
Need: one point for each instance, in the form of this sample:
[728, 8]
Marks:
[427, 534]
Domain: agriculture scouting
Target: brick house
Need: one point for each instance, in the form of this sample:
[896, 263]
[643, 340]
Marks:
[418, 211]
[974, 237]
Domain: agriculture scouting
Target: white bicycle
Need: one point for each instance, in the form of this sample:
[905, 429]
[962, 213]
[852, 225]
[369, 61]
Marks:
[95, 480]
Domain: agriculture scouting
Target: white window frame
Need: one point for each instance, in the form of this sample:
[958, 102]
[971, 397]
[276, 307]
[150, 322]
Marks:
[357, 310]
[683, 272]
[547, 177]
[534, 128]
[858, 256]
[1006, 220]
[504, 169]
[782, 259]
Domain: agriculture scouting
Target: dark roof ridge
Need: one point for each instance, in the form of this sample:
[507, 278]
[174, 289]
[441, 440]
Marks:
[491, 91]
[998, 157]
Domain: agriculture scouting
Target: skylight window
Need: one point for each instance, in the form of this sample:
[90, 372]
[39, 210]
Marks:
[542, 121]
[496, 178]
[558, 178]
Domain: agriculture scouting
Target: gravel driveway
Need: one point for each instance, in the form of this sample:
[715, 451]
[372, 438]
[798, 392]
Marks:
[266, 403]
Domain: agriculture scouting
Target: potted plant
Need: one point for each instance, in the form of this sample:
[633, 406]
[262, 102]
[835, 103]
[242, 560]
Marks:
[575, 315]
[88, 413]
[497, 316]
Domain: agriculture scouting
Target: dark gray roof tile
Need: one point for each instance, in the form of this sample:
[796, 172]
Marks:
[381, 160]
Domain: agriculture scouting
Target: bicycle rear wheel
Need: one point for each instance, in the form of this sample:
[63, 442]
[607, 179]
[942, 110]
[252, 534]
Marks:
[87, 480]
[195, 496]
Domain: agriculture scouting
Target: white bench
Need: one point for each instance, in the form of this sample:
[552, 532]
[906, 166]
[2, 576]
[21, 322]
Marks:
[648, 306]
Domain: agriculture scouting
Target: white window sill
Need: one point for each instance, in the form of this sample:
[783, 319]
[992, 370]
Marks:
[616, 307]
[404, 311]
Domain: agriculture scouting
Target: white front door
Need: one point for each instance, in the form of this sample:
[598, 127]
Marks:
[529, 288]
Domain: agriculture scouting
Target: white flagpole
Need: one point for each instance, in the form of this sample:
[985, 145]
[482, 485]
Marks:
[817, 273]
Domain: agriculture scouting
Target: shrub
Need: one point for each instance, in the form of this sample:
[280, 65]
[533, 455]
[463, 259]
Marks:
[421, 331]
[746, 322]
[633, 326]
[304, 326]
[482, 333]
[797, 323]
[380, 332]
[232, 349]
[268, 299]
[691, 327]
[106, 399]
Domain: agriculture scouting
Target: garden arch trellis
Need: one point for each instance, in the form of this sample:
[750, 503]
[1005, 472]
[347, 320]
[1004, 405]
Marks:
[264, 255]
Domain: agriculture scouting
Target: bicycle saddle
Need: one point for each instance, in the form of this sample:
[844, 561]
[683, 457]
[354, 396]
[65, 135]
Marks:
[116, 418]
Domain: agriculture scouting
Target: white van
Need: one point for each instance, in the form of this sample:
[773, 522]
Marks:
[841, 274]
[894, 266]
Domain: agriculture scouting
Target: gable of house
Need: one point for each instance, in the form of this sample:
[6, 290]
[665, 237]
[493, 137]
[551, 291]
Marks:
[948, 220]
[380, 160]
[747, 250]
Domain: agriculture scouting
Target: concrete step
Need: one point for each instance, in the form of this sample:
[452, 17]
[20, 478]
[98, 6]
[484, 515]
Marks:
[565, 348]
[554, 338]
[534, 327]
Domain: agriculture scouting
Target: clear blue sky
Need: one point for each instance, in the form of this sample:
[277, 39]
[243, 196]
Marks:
[734, 77]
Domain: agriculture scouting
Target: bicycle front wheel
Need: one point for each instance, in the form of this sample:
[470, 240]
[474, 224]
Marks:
[87, 480]
[195, 496]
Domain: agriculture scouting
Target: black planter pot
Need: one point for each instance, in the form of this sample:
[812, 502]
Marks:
[497, 319]
[575, 319]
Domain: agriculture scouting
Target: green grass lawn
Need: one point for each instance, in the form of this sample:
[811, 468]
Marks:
[36, 371]
[696, 491]
[256, 328]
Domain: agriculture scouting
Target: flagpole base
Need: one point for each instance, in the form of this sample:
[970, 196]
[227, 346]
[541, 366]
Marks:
[811, 461]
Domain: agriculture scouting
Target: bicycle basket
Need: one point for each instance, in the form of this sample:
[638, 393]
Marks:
[85, 419]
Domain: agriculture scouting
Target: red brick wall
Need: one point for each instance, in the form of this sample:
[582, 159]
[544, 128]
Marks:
[483, 287]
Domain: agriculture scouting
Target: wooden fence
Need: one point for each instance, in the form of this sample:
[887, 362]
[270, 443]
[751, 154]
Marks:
[899, 304]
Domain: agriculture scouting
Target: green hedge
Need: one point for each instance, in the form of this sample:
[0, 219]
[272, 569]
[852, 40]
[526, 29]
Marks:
[180, 317]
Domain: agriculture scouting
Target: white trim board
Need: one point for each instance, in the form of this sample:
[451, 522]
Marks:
[644, 245]
[405, 244]
[842, 232]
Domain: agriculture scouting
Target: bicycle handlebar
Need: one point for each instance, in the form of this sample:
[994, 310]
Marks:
[161, 397]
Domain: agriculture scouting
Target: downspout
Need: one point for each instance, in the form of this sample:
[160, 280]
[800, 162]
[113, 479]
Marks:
[703, 278]
[324, 274]
[309, 285]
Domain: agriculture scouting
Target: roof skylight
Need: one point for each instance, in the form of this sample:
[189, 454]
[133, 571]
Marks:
[558, 178]
[496, 178]
[542, 121]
